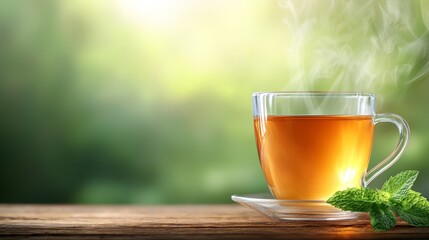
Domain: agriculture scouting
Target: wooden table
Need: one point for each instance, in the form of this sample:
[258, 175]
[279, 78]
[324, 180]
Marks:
[178, 222]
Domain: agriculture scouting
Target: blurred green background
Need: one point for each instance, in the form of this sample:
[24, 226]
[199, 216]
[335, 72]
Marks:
[149, 101]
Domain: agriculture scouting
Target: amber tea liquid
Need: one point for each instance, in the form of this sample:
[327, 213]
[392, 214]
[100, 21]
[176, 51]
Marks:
[312, 157]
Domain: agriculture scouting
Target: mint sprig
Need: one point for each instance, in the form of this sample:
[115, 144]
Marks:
[399, 185]
[395, 196]
[414, 209]
[382, 217]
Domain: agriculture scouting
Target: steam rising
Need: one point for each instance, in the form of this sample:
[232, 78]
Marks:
[356, 45]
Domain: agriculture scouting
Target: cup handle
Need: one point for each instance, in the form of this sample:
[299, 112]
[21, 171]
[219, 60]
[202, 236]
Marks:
[404, 135]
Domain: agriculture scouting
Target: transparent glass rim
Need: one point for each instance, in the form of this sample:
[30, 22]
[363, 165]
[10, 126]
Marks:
[268, 198]
[316, 93]
[307, 210]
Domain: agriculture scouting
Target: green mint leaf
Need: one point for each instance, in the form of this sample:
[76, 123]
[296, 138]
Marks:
[411, 199]
[414, 209]
[395, 196]
[399, 185]
[357, 199]
[382, 218]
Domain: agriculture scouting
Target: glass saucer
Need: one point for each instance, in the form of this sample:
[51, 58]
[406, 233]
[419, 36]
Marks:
[266, 204]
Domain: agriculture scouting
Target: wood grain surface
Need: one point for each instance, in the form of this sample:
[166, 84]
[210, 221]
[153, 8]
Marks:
[179, 222]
